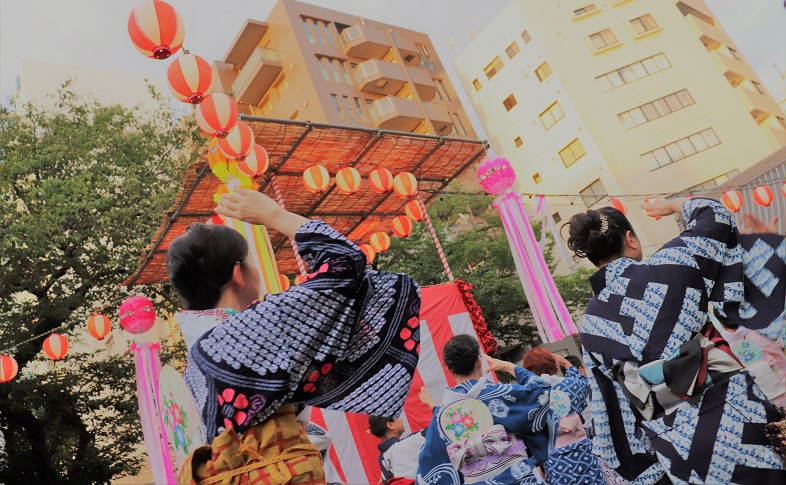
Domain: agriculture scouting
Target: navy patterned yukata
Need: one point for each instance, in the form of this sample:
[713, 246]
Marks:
[666, 395]
[336, 341]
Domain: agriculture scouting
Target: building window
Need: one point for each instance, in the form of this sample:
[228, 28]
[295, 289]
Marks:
[512, 50]
[682, 148]
[553, 114]
[345, 70]
[281, 86]
[603, 39]
[556, 217]
[537, 178]
[441, 90]
[527, 38]
[476, 84]
[759, 88]
[572, 152]
[348, 108]
[589, 8]
[735, 54]
[509, 102]
[423, 50]
[322, 68]
[308, 30]
[655, 109]
[493, 68]
[632, 72]
[642, 24]
[543, 71]
[593, 193]
[714, 183]
[360, 110]
[518, 141]
[266, 106]
[460, 124]
[338, 107]
[325, 28]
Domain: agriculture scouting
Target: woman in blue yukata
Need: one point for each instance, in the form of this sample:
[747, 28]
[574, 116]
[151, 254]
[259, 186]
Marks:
[494, 433]
[670, 401]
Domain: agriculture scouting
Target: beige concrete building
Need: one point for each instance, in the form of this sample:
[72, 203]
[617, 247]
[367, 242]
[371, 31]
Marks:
[618, 97]
[309, 63]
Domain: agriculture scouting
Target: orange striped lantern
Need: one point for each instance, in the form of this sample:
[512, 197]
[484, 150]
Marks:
[239, 143]
[190, 78]
[56, 346]
[763, 195]
[156, 29]
[401, 226]
[316, 178]
[380, 242]
[216, 115]
[369, 252]
[380, 180]
[652, 199]
[732, 199]
[405, 184]
[8, 368]
[298, 280]
[348, 180]
[98, 326]
[619, 205]
[414, 211]
[284, 282]
[256, 163]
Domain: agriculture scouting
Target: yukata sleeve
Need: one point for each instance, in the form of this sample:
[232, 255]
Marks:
[573, 391]
[434, 465]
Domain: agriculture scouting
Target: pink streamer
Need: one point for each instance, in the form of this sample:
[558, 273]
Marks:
[155, 371]
[146, 415]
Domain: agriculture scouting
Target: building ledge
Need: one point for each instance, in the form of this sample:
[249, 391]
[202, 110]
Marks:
[587, 14]
[607, 48]
[647, 33]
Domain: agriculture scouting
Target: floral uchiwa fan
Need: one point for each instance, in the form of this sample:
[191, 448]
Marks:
[180, 414]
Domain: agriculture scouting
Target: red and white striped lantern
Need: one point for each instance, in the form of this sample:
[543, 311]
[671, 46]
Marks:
[369, 252]
[56, 346]
[348, 180]
[99, 326]
[763, 195]
[406, 185]
[216, 115]
[401, 226]
[239, 143]
[732, 199]
[8, 368]
[380, 242]
[190, 78]
[284, 282]
[619, 205]
[156, 29]
[413, 211]
[316, 179]
[256, 163]
[380, 180]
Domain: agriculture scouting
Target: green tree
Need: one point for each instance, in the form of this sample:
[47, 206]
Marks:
[82, 189]
[477, 249]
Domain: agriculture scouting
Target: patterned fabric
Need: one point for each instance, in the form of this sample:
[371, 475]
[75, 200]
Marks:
[280, 444]
[521, 408]
[645, 311]
[340, 340]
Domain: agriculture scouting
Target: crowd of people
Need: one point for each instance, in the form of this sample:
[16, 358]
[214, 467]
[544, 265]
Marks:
[682, 369]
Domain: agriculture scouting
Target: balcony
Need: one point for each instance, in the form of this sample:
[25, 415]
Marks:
[407, 48]
[439, 117]
[712, 37]
[246, 40]
[423, 83]
[697, 8]
[735, 70]
[364, 42]
[380, 77]
[401, 114]
[256, 77]
[759, 105]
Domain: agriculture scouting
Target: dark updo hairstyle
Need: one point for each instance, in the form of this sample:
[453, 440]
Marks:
[200, 262]
[575, 360]
[379, 425]
[539, 361]
[592, 239]
[460, 354]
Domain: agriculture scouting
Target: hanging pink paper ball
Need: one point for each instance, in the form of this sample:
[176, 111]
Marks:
[496, 175]
[137, 314]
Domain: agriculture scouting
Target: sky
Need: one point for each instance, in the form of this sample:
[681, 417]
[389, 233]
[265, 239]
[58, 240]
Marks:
[92, 33]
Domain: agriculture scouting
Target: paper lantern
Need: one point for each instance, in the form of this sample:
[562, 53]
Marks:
[405, 184]
[380, 242]
[369, 252]
[496, 176]
[137, 315]
[239, 143]
[256, 163]
[298, 280]
[284, 282]
[8, 368]
[380, 180]
[216, 115]
[156, 29]
[763, 195]
[401, 226]
[732, 199]
[619, 205]
[414, 211]
[316, 178]
[190, 78]
[98, 326]
[56, 346]
[652, 199]
[348, 180]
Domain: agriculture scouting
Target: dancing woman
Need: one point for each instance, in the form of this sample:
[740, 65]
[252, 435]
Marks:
[331, 342]
[668, 395]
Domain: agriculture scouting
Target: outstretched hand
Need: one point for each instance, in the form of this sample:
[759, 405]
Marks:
[753, 225]
[501, 365]
[657, 206]
[426, 398]
[248, 206]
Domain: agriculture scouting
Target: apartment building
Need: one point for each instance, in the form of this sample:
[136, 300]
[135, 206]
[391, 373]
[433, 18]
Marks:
[310, 63]
[618, 97]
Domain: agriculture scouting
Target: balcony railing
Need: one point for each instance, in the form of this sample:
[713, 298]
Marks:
[260, 70]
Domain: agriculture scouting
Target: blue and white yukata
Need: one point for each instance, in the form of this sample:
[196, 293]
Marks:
[667, 394]
[522, 409]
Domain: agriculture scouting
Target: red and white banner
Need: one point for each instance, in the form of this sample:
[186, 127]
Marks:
[353, 456]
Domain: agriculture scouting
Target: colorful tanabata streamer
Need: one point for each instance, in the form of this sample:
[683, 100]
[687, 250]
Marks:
[261, 252]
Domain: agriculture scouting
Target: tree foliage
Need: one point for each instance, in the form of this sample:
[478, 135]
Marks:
[477, 249]
[82, 189]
